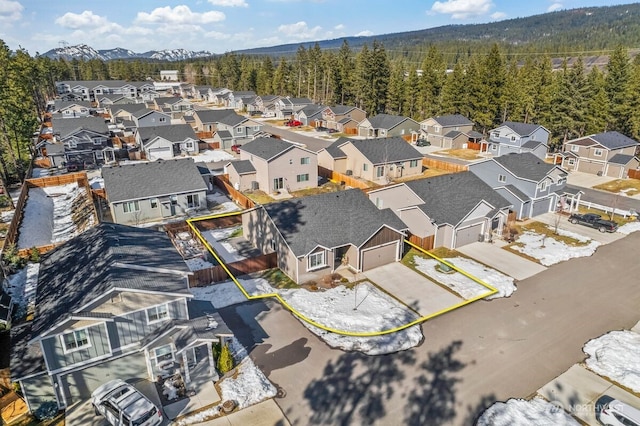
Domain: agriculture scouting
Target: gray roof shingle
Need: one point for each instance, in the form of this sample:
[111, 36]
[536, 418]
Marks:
[452, 120]
[172, 132]
[334, 149]
[332, 219]
[531, 144]
[613, 140]
[67, 126]
[243, 167]
[267, 148]
[386, 150]
[152, 179]
[523, 129]
[449, 198]
[386, 121]
[621, 159]
[525, 165]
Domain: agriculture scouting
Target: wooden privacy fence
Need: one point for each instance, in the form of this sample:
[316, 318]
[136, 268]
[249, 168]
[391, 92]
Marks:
[425, 243]
[444, 165]
[634, 174]
[222, 182]
[348, 180]
[217, 273]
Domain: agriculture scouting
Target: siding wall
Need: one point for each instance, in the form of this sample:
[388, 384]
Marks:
[56, 358]
[148, 214]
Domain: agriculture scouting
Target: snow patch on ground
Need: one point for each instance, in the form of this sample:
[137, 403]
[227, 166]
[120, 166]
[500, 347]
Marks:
[630, 227]
[6, 217]
[225, 250]
[212, 156]
[553, 251]
[616, 356]
[563, 232]
[463, 285]
[520, 412]
[96, 182]
[197, 263]
[220, 295]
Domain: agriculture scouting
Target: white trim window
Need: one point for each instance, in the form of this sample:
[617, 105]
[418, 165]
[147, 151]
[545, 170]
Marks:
[597, 152]
[162, 354]
[193, 201]
[239, 130]
[154, 203]
[75, 340]
[379, 171]
[572, 161]
[542, 185]
[131, 206]
[575, 148]
[502, 178]
[413, 163]
[157, 314]
[303, 177]
[305, 160]
[316, 261]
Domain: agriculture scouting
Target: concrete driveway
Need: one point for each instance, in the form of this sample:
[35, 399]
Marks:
[502, 260]
[578, 390]
[594, 234]
[413, 289]
[586, 180]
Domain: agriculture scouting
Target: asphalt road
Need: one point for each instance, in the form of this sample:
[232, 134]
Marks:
[608, 199]
[470, 358]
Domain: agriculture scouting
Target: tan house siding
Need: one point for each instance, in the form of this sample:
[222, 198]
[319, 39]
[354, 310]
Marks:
[417, 221]
[287, 166]
[395, 197]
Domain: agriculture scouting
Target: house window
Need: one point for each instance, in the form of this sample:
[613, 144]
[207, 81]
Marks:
[154, 203]
[256, 128]
[575, 148]
[494, 147]
[315, 261]
[502, 178]
[163, 354]
[379, 171]
[572, 161]
[495, 135]
[75, 340]
[189, 146]
[157, 314]
[193, 200]
[131, 206]
[365, 167]
[174, 200]
[513, 138]
[273, 245]
[303, 177]
[413, 163]
[597, 152]
[162, 119]
[239, 130]
[542, 185]
[305, 160]
[436, 129]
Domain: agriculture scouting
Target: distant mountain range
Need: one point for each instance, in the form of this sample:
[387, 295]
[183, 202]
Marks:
[84, 52]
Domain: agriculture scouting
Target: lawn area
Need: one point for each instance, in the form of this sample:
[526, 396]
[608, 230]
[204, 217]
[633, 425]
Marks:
[426, 173]
[278, 279]
[464, 154]
[327, 187]
[627, 186]
[440, 252]
[259, 197]
[543, 229]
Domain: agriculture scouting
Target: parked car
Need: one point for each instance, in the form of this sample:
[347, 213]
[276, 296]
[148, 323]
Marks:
[122, 404]
[332, 130]
[595, 221]
[293, 123]
[236, 148]
[268, 114]
[321, 129]
[617, 413]
[423, 142]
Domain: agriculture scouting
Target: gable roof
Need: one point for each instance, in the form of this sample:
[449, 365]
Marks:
[95, 262]
[224, 134]
[525, 165]
[387, 121]
[621, 159]
[613, 140]
[522, 129]
[171, 132]
[531, 144]
[313, 109]
[59, 104]
[386, 150]
[233, 119]
[67, 126]
[334, 149]
[212, 115]
[308, 222]
[267, 148]
[450, 198]
[453, 120]
[341, 109]
[146, 111]
[130, 108]
[151, 179]
[243, 167]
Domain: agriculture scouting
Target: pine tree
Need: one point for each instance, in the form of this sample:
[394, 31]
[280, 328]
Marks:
[598, 117]
[396, 93]
[225, 360]
[616, 86]
[410, 104]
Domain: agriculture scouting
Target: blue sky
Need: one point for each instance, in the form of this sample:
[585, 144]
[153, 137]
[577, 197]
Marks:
[224, 25]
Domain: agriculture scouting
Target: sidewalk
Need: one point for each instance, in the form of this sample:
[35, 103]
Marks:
[266, 413]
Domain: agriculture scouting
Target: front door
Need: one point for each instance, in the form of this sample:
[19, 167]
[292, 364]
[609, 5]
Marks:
[278, 184]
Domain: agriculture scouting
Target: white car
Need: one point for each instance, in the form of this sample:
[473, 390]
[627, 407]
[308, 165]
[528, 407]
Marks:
[617, 413]
[122, 404]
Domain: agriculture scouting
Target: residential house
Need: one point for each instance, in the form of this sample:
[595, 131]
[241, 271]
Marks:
[113, 302]
[379, 160]
[169, 75]
[317, 235]
[435, 129]
[512, 137]
[285, 107]
[154, 191]
[605, 154]
[124, 111]
[386, 125]
[84, 139]
[449, 210]
[166, 142]
[173, 105]
[310, 115]
[242, 129]
[243, 103]
[90, 90]
[334, 117]
[238, 99]
[146, 117]
[266, 103]
[223, 138]
[71, 109]
[533, 186]
[106, 100]
[278, 166]
[219, 96]
[206, 120]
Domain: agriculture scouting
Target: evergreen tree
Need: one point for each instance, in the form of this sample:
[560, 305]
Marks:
[412, 91]
[396, 93]
[616, 86]
[225, 360]
[453, 96]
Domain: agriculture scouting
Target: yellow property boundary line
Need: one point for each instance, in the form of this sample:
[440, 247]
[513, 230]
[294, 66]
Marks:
[492, 290]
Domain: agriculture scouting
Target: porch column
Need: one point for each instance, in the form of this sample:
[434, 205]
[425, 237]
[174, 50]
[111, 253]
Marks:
[187, 376]
[212, 365]
[148, 362]
[576, 198]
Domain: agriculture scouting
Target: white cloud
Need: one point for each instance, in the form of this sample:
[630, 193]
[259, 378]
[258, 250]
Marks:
[217, 35]
[462, 9]
[365, 33]
[10, 10]
[229, 3]
[339, 27]
[299, 31]
[498, 15]
[86, 19]
[179, 15]
[554, 7]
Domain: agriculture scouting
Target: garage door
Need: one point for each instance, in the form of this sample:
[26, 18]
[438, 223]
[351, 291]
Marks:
[164, 153]
[589, 167]
[615, 170]
[379, 256]
[540, 207]
[468, 235]
[79, 384]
